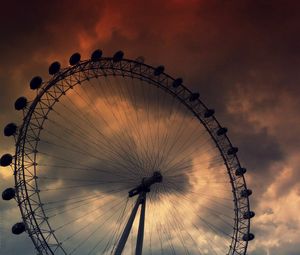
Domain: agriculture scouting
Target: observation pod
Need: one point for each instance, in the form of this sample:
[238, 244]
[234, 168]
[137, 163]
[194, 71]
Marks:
[248, 237]
[232, 151]
[96, 55]
[6, 160]
[209, 113]
[194, 97]
[246, 193]
[36, 82]
[74, 59]
[118, 56]
[8, 194]
[249, 215]
[222, 131]
[18, 228]
[20, 103]
[10, 129]
[159, 70]
[54, 68]
[177, 83]
[240, 171]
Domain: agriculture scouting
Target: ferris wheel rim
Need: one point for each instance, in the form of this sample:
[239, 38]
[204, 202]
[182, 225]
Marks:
[144, 72]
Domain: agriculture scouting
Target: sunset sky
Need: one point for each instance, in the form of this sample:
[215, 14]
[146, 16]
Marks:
[243, 57]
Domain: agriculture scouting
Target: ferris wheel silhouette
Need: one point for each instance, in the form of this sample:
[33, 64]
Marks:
[115, 156]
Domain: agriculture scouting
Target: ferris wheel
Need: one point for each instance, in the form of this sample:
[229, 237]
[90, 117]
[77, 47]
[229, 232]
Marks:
[115, 156]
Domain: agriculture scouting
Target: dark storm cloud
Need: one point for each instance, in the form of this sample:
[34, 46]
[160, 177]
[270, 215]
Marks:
[214, 45]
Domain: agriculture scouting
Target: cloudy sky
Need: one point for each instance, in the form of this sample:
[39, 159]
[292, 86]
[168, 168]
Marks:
[242, 56]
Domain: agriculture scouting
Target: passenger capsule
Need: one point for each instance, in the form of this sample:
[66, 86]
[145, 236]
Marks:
[54, 68]
[20, 103]
[246, 193]
[36, 82]
[96, 55]
[10, 129]
[240, 171]
[194, 97]
[118, 56]
[248, 237]
[209, 113]
[222, 131]
[159, 70]
[177, 83]
[6, 160]
[249, 215]
[232, 151]
[74, 59]
[8, 194]
[18, 228]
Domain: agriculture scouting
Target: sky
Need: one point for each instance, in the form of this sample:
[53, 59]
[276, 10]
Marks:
[243, 58]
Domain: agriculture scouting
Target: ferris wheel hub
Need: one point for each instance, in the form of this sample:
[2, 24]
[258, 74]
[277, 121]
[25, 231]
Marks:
[146, 183]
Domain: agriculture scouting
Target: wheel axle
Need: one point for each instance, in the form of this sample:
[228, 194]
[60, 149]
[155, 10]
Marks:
[146, 183]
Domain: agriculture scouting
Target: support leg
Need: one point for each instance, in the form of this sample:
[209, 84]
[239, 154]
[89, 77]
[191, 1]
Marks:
[140, 237]
[127, 229]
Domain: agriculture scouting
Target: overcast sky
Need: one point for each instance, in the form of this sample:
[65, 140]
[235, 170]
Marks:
[242, 56]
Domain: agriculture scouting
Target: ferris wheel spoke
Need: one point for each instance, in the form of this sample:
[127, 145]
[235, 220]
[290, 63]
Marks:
[174, 225]
[211, 210]
[143, 142]
[79, 132]
[150, 141]
[175, 139]
[207, 178]
[87, 202]
[99, 171]
[94, 231]
[214, 188]
[79, 186]
[185, 157]
[120, 120]
[188, 142]
[119, 138]
[85, 226]
[82, 201]
[128, 180]
[86, 119]
[180, 222]
[81, 152]
[211, 226]
[134, 126]
[100, 146]
[68, 199]
[146, 129]
[111, 161]
[208, 175]
[119, 226]
[58, 158]
[179, 190]
[114, 156]
[187, 166]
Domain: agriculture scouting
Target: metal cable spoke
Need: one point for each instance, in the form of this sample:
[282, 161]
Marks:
[116, 205]
[93, 232]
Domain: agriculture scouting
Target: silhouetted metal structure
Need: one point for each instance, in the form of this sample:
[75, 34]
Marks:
[35, 218]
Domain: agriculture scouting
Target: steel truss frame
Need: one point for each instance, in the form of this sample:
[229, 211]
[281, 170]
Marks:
[25, 165]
